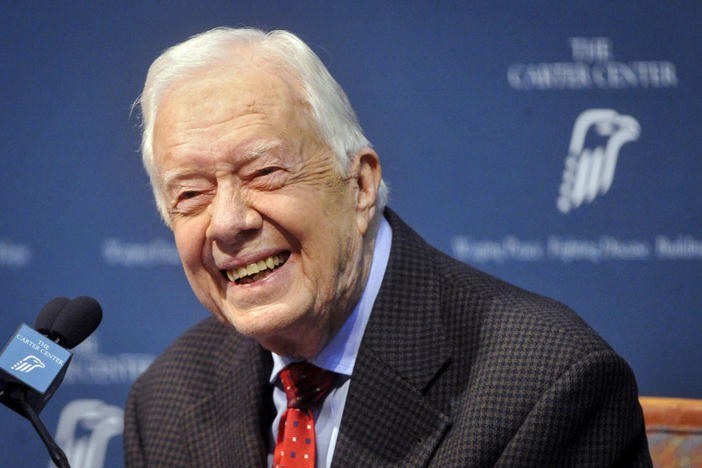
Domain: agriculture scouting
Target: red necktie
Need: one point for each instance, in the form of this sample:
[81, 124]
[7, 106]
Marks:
[305, 386]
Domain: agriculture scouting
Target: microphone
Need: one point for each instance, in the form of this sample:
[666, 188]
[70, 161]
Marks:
[73, 323]
[34, 362]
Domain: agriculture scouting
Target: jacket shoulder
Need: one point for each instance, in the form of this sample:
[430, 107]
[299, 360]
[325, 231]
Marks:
[524, 372]
[470, 300]
[194, 360]
[188, 371]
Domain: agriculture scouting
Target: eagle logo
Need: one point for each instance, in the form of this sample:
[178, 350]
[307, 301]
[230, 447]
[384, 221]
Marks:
[28, 364]
[589, 172]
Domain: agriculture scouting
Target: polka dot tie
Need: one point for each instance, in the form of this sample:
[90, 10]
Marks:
[305, 386]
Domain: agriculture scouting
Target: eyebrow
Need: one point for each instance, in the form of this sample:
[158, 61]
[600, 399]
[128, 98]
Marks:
[260, 148]
[172, 175]
[251, 151]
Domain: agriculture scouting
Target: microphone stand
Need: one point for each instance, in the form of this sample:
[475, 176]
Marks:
[55, 452]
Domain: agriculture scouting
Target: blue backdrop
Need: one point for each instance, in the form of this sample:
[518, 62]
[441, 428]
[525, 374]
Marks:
[554, 144]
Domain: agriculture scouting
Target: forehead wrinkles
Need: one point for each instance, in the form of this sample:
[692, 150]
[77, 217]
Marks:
[211, 101]
[214, 98]
[199, 114]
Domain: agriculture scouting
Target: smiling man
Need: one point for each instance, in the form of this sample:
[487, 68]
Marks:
[270, 231]
[339, 337]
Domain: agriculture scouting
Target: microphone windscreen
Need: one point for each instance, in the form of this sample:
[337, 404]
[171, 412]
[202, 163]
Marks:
[47, 316]
[77, 320]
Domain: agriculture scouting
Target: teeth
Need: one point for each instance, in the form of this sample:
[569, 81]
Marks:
[253, 268]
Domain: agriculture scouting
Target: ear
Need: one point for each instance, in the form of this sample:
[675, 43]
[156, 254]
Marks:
[367, 175]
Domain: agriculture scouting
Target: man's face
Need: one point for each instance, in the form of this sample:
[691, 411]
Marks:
[269, 232]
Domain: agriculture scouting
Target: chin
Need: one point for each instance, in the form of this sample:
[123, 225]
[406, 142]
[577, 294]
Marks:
[261, 324]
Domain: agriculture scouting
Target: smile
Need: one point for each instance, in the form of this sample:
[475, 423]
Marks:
[257, 270]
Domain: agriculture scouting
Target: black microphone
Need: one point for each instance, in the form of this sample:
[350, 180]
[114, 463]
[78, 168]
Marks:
[36, 364]
[73, 323]
[33, 364]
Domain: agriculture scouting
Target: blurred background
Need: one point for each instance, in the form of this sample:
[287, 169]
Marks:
[553, 144]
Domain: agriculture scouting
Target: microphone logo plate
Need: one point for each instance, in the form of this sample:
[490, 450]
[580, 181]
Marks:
[33, 359]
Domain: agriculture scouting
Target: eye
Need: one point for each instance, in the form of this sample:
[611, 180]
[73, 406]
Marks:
[266, 178]
[189, 200]
[265, 171]
[188, 195]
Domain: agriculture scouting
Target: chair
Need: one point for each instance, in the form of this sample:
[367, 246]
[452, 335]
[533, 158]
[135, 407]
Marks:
[674, 430]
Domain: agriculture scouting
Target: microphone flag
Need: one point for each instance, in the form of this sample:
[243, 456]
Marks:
[31, 361]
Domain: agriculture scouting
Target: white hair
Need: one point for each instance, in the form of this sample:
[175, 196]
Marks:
[331, 111]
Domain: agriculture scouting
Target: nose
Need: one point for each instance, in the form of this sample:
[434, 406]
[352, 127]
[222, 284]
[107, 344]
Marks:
[232, 217]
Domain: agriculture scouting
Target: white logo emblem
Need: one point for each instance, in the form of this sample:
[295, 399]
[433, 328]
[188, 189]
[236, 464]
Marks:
[590, 171]
[84, 430]
[28, 364]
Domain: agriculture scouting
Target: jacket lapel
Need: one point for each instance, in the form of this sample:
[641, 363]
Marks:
[388, 419]
[229, 427]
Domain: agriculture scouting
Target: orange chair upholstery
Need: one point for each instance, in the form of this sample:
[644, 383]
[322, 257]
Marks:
[674, 430]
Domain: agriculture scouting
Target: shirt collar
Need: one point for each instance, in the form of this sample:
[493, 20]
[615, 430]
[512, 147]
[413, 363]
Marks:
[339, 355]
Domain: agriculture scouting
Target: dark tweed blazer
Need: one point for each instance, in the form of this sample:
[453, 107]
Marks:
[456, 368]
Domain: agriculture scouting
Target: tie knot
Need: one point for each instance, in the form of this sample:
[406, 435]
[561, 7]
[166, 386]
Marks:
[305, 384]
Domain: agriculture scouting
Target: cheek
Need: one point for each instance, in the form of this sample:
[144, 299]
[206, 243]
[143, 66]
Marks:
[190, 248]
[335, 247]
[189, 243]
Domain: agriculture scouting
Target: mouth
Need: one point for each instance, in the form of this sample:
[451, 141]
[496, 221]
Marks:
[257, 270]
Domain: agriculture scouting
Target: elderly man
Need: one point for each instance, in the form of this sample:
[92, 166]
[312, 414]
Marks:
[340, 338]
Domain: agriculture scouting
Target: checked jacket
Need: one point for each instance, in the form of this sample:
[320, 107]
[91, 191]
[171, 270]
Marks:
[456, 368]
